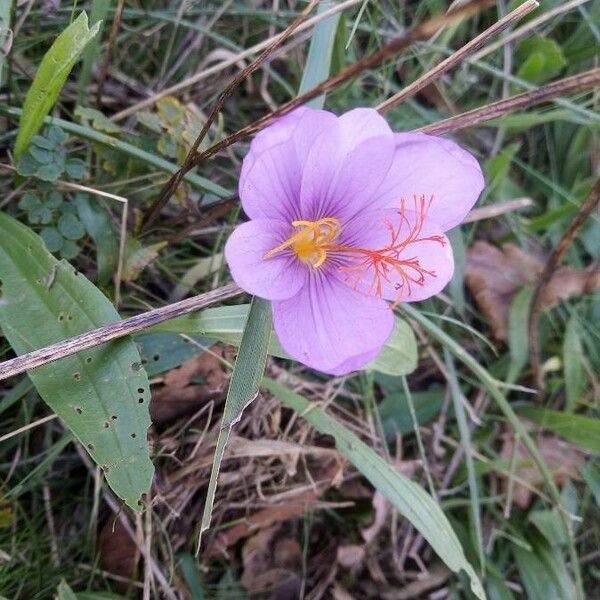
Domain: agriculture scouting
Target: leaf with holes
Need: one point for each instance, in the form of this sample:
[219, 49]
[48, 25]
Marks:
[50, 78]
[101, 394]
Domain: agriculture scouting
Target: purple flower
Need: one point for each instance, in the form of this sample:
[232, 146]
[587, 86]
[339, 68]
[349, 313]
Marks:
[345, 214]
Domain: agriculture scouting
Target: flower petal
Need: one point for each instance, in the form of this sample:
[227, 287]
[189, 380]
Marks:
[331, 328]
[424, 260]
[433, 167]
[276, 278]
[271, 173]
[340, 180]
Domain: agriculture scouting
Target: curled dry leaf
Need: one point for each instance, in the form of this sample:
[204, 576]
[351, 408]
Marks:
[495, 275]
[187, 388]
[563, 460]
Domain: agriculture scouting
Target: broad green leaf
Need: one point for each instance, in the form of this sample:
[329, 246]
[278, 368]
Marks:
[101, 394]
[409, 498]
[579, 429]
[226, 324]
[50, 78]
[399, 354]
[247, 374]
[573, 365]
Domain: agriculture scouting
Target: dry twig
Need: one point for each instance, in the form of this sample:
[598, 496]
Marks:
[190, 162]
[120, 329]
[563, 87]
[458, 56]
[554, 260]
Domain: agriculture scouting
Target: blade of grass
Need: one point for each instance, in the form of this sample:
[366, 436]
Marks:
[252, 357]
[409, 498]
[491, 385]
[247, 374]
[465, 438]
[98, 12]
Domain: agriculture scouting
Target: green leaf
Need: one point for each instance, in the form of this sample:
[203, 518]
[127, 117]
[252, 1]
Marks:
[542, 59]
[247, 374]
[54, 200]
[410, 499]
[64, 592]
[29, 201]
[161, 352]
[318, 61]
[49, 172]
[399, 354]
[579, 429]
[50, 78]
[97, 223]
[40, 214]
[518, 333]
[96, 119]
[395, 413]
[52, 238]
[591, 474]
[76, 168]
[71, 227]
[574, 370]
[101, 394]
[69, 250]
[226, 323]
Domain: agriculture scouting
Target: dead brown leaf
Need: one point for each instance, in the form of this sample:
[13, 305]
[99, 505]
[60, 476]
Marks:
[272, 565]
[189, 387]
[495, 275]
[563, 460]
[118, 554]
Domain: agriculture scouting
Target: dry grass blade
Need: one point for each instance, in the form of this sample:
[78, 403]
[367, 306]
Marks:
[554, 260]
[190, 161]
[220, 66]
[563, 87]
[422, 31]
[458, 56]
[114, 331]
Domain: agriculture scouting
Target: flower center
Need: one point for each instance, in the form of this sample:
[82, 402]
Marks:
[311, 241]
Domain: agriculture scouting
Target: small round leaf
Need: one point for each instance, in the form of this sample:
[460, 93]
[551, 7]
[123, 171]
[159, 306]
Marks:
[52, 238]
[71, 227]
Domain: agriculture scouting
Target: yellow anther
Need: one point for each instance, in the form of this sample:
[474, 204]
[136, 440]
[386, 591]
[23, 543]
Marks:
[311, 242]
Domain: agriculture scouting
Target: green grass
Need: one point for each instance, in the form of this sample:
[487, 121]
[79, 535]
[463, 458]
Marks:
[52, 505]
